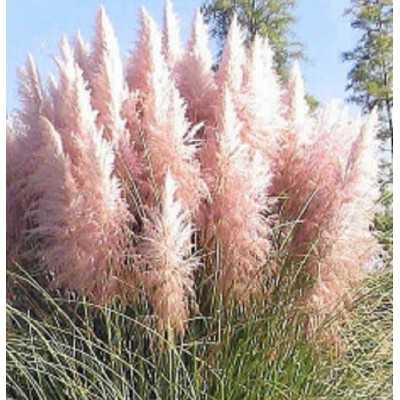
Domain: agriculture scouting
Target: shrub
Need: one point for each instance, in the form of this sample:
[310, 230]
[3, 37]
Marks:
[167, 179]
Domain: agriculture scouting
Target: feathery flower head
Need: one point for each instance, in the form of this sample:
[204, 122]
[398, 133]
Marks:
[30, 92]
[167, 260]
[168, 136]
[198, 41]
[146, 56]
[230, 71]
[238, 201]
[109, 89]
[195, 78]
[82, 55]
[83, 228]
[172, 48]
[260, 108]
[297, 110]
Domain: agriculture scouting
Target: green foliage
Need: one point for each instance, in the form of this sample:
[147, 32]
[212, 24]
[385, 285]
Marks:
[384, 223]
[370, 80]
[61, 347]
[312, 102]
[268, 18]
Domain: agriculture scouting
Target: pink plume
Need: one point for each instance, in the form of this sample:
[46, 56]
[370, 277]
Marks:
[167, 260]
[171, 145]
[331, 235]
[31, 94]
[146, 57]
[83, 227]
[168, 137]
[102, 214]
[238, 203]
[172, 48]
[260, 108]
[196, 81]
[297, 110]
[23, 134]
[296, 102]
[82, 55]
[16, 181]
[107, 77]
[354, 248]
[109, 97]
[231, 69]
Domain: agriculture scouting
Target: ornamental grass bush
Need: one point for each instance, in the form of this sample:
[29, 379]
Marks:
[160, 181]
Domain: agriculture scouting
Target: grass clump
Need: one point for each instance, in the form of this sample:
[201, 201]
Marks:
[68, 348]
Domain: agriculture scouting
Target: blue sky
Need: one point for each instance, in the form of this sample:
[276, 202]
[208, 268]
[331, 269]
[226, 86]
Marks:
[36, 25]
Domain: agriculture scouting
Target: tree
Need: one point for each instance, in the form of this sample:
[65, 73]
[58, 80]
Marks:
[267, 18]
[370, 79]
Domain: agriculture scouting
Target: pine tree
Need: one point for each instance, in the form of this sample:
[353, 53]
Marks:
[370, 79]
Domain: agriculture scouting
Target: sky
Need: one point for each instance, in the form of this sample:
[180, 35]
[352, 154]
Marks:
[36, 26]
